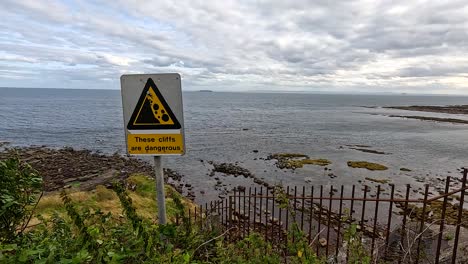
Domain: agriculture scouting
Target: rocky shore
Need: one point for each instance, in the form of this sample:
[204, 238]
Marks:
[83, 169]
[449, 109]
[436, 119]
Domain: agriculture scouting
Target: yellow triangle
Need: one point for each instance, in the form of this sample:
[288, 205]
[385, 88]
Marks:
[152, 111]
[159, 111]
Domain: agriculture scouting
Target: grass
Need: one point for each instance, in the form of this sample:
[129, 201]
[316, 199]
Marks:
[367, 165]
[448, 237]
[141, 189]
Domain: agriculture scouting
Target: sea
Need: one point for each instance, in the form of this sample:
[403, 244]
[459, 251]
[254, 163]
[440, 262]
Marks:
[245, 128]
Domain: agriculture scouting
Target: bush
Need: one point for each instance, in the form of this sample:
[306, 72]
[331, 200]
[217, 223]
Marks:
[21, 188]
[91, 236]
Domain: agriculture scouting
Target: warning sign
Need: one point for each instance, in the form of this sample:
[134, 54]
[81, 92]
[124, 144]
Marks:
[152, 111]
[153, 115]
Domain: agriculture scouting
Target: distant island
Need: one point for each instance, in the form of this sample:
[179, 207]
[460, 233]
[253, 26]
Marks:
[206, 91]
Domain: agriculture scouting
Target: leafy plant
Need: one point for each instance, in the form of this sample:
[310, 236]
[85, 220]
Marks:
[80, 233]
[357, 252]
[21, 189]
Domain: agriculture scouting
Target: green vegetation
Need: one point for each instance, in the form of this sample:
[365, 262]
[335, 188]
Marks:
[366, 165]
[288, 155]
[296, 160]
[357, 252]
[140, 188]
[118, 226]
[20, 188]
[448, 237]
[435, 209]
[320, 162]
[294, 164]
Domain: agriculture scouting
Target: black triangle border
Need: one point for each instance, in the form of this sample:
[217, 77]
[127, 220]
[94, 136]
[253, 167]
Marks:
[130, 125]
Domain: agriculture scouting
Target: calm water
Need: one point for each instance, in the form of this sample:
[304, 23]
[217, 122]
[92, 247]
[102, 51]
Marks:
[227, 127]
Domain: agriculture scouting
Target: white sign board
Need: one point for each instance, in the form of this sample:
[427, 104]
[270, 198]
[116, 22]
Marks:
[153, 114]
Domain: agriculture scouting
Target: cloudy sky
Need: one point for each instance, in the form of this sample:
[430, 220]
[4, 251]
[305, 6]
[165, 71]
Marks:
[336, 46]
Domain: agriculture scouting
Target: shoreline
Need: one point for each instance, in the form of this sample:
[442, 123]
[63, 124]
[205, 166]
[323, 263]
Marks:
[83, 169]
[68, 167]
[448, 109]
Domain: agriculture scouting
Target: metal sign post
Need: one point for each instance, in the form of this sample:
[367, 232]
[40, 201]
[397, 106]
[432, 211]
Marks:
[160, 195]
[154, 122]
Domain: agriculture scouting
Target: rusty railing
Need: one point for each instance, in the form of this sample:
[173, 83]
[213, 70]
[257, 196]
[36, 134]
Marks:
[403, 226]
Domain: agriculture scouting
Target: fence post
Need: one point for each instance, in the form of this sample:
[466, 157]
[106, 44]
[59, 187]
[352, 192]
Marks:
[421, 225]
[311, 217]
[340, 212]
[230, 211]
[403, 226]
[389, 220]
[351, 212]
[319, 220]
[244, 214]
[460, 216]
[442, 221]
[329, 219]
[376, 214]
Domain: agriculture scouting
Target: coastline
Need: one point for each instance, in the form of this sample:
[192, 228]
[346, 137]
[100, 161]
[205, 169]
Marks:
[83, 169]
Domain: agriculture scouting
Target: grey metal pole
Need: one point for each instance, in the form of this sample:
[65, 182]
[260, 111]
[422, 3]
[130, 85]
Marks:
[159, 177]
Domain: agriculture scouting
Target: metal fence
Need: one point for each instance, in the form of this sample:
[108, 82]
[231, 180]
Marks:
[414, 226]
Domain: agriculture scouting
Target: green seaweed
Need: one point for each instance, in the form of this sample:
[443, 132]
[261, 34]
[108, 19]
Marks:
[319, 162]
[434, 212]
[288, 155]
[366, 165]
[296, 160]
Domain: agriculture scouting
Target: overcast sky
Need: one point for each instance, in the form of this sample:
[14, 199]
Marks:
[343, 46]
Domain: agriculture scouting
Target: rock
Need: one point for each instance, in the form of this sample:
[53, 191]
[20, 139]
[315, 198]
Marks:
[240, 188]
[255, 151]
[323, 242]
[231, 169]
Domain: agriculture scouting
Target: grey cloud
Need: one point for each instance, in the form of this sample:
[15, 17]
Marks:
[282, 44]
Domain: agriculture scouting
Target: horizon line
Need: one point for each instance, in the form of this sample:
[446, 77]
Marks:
[259, 91]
